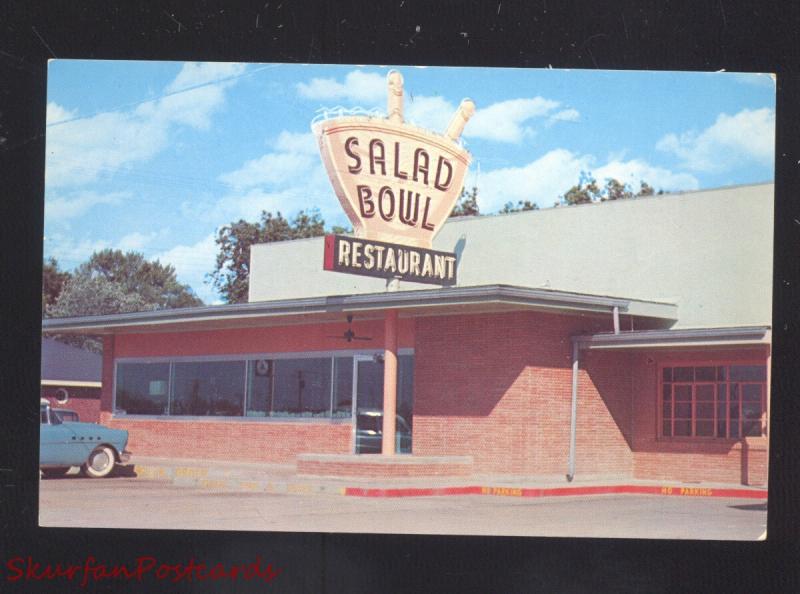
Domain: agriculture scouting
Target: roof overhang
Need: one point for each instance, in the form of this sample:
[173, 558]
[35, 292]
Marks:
[692, 337]
[440, 301]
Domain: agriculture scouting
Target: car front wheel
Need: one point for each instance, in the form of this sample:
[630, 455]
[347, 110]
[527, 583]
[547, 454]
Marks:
[100, 462]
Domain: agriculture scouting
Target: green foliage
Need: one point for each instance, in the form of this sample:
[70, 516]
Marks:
[53, 280]
[520, 206]
[587, 191]
[467, 204]
[112, 282]
[156, 284]
[232, 270]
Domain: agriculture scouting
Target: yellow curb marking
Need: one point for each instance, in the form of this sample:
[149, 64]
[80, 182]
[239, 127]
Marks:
[189, 472]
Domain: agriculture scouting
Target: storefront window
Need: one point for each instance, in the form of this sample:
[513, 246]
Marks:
[307, 387]
[208, 388]
[713, 401]
[302, 387]
[142, 388]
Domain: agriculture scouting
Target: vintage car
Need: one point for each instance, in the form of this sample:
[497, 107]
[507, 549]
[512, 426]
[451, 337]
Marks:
[369, 433]
[94, 448]
[66, 415]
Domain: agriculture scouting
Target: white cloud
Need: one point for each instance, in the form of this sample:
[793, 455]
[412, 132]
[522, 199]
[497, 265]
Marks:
[192, 263]
[272, 168]
[57, 113]
[135, 241]
[84, 150]
[60, 209]
[433, 113]
[193, 74]
[732, 140]
[71, 252]
[504, 121]
[297, 142]
[358, 86]
[548, 177]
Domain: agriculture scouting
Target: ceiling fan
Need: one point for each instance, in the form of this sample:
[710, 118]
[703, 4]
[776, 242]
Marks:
[349, 335]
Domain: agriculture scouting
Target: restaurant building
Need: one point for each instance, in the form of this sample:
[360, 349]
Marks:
[626, 338]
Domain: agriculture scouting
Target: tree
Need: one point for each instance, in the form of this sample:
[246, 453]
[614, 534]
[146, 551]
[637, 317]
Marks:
[587, 191]
[155, 283]
[520, 206]
[231, 275]
[113, 282]
[53, 280]
[467, 204]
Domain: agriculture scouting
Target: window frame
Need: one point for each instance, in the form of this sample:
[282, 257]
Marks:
[727, 364]
[246, 357]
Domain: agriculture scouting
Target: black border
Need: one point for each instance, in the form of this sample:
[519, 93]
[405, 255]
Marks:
[741, 36]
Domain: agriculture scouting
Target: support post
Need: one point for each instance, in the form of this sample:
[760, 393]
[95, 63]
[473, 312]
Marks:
[572, 422]
[389, 382]
[616, 319]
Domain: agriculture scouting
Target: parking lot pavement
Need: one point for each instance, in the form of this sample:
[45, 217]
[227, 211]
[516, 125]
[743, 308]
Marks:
[125, 502]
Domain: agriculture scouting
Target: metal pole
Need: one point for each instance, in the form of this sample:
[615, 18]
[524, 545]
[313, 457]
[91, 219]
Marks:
[616, 319]
[572, 423]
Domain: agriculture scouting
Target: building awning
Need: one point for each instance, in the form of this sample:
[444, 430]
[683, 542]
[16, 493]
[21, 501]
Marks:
[478, 299]
[691, 337]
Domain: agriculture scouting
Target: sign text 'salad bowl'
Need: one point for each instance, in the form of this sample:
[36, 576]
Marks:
[396, 182]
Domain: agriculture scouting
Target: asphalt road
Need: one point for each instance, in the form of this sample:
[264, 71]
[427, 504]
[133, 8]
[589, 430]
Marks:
[135, 503]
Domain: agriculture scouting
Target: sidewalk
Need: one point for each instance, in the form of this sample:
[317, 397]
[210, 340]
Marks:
[282, 478]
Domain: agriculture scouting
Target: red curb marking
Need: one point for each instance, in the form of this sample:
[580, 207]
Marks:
[559, 491]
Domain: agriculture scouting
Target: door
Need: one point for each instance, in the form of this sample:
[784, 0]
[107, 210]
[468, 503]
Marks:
[368, 404]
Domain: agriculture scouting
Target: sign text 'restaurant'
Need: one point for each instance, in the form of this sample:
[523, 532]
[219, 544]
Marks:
[388, 260]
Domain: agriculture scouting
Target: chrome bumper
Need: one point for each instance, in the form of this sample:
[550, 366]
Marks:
[125, 456]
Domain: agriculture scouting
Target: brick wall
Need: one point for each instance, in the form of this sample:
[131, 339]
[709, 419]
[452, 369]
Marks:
[715, 460]
[498, 387]
[232, 440]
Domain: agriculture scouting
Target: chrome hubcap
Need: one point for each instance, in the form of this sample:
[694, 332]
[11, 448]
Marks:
[100, 461]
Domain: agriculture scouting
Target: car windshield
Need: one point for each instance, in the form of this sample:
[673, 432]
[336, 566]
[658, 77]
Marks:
[54, 420]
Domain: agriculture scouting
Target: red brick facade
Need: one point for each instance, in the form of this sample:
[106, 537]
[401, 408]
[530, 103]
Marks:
[496, 387]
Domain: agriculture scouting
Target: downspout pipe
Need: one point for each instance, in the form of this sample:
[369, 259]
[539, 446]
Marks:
[572, 424]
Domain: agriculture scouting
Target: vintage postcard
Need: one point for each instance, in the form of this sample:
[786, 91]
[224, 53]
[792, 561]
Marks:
[482, 301]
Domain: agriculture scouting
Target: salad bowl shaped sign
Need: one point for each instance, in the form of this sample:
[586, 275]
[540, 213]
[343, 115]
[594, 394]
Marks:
[396, 182]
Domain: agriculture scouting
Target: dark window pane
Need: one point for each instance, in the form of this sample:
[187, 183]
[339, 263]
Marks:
[667, 392]
[683, 410]
[405, 392]
[721, 428]
[734, 428]
[704, 428]
[751, 410]
[722, 392]
[667, 429]
[666, 374]
[209, 388]
[667, 410]
[752, 373]
[751, 428]
[259, 391]
[721, 373]
[704, 410]
[142, 388]
[683, 374]
[302, 387]
[705, 392]
[683, 428]
[721, 410]
[751, 392]
[734, 392]
[683, 393]
[343, 387]
[705, 374]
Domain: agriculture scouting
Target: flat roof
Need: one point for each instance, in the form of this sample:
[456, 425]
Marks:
[439, 301]
[687, 337]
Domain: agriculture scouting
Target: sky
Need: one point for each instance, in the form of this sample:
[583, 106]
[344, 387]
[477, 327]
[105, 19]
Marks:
[155, 157]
